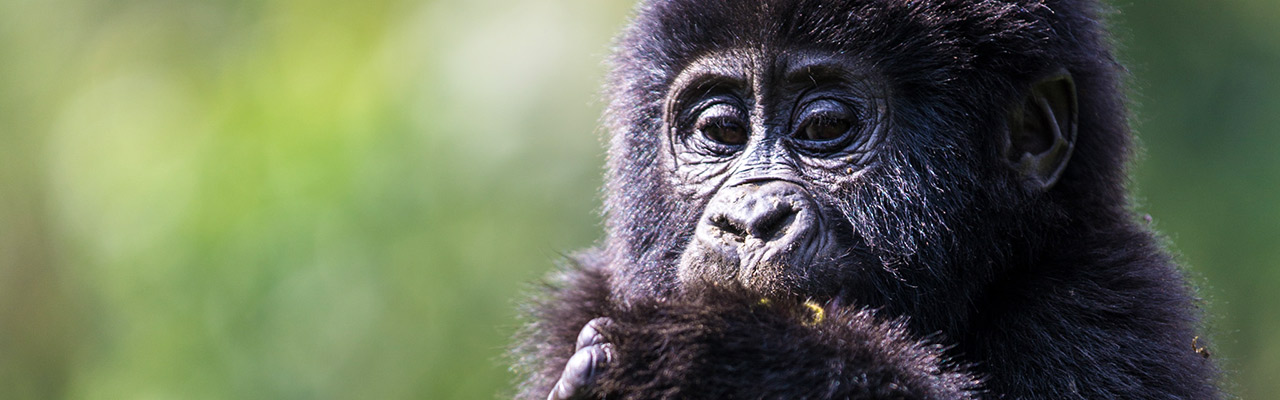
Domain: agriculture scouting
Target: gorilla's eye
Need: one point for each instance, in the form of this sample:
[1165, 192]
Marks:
[722, 124]
[826, 128]
[825, 121]
[724, 132]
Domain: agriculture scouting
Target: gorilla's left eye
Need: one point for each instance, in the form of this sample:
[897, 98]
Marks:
[826, 128]
[825, 121]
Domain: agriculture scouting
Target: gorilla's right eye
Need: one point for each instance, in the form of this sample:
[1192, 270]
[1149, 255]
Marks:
[722, 124]
[724, 132]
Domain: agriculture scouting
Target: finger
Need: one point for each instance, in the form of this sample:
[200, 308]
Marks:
[590, 334]
[581, 371]
[562, 391]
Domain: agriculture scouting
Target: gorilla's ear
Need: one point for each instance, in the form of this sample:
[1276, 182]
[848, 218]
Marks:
[1042, 131]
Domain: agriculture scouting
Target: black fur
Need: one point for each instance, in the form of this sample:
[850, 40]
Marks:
[1044, 294]
[707, 344]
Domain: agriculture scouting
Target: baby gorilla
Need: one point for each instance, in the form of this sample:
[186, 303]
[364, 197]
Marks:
[867, 199]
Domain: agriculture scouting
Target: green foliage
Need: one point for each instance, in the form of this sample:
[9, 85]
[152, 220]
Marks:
[334, 199]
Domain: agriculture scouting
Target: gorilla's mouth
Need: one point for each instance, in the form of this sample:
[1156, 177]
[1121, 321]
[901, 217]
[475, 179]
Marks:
[757, 265]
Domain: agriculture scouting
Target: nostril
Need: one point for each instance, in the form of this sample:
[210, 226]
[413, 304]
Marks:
[730, 227]
[772, 222]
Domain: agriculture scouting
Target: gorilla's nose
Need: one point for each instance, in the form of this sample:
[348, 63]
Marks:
[763, 234]
[777, 213]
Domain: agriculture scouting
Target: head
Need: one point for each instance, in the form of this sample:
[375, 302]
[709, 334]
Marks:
[900, 154]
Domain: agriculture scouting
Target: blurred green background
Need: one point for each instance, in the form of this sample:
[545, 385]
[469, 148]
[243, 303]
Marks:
[345, 199]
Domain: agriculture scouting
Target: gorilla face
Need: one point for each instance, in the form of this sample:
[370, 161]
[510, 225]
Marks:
[769, 148]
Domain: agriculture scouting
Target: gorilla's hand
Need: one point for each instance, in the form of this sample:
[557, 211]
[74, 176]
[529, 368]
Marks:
[592, 355]
[720, 343]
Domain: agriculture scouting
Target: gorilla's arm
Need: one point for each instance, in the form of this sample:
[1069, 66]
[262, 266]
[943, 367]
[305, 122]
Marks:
[720, 343]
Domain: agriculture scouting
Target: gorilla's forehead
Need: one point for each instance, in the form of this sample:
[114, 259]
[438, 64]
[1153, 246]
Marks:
[902, 37]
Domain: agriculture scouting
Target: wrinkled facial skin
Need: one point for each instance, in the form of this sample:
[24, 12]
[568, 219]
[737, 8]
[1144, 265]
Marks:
[764, 143]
